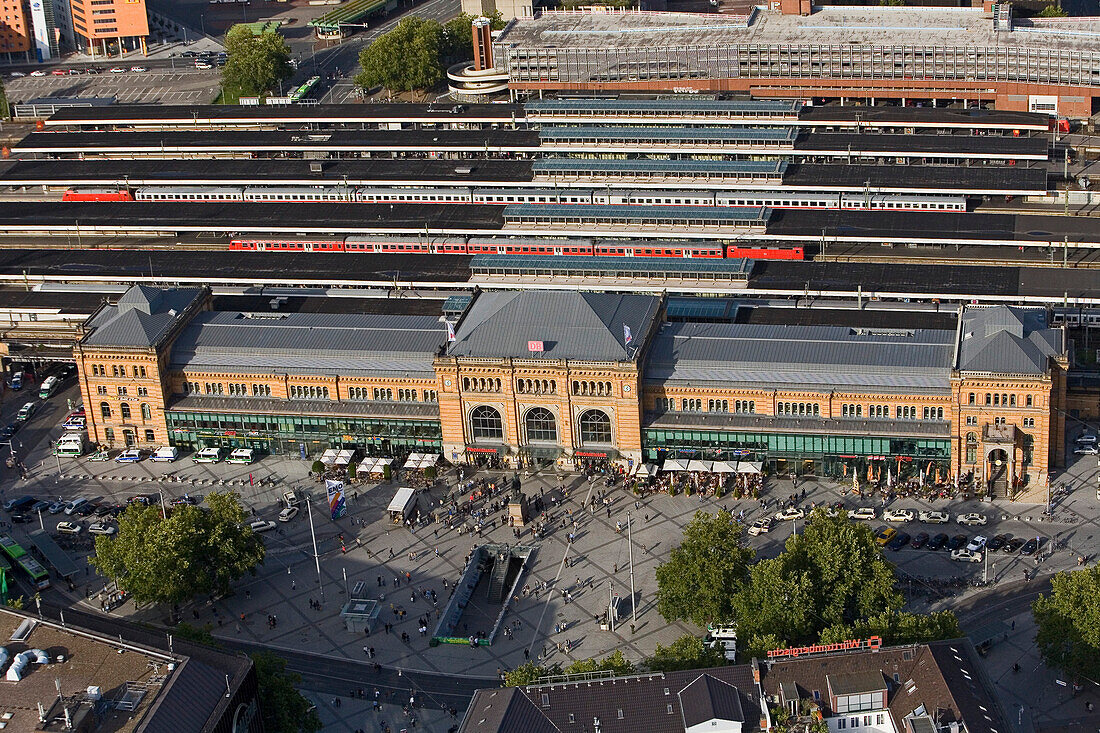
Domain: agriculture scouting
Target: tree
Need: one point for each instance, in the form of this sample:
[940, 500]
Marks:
[829, 583]
[404, 59]
[1054, 10]
[687, 652]
[698, 581]
[282, 707]
[257, 63]
[199, 634]
[5, 110]
[614, 662]
[529, 673]
[171, 560]
[458, 38]
[1068, 622]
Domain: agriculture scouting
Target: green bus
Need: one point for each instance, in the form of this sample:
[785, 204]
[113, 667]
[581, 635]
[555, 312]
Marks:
[11, 550]
[5, 578]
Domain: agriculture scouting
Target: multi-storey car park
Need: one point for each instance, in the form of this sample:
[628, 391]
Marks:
[914, 55]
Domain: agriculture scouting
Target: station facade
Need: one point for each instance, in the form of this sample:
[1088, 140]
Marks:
[569, 378]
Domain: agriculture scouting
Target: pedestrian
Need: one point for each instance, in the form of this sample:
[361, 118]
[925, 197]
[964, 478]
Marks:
[293, 584]
[248, 595]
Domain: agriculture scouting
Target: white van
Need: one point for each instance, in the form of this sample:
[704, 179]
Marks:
[240, 455]
[47, 388]
[71, 445]
[165, 453]
[208, 455]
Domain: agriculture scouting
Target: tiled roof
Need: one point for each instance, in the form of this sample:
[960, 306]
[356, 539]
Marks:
[570, 325]
[708, 698]
[1007, 340]
[140, 318]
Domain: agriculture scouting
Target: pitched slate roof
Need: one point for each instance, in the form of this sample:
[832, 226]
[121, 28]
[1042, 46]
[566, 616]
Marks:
[708, 698]
[802, 355]
[506, 710]
[1007, 340]
[571, 325]
[141, 317]
[309, 343]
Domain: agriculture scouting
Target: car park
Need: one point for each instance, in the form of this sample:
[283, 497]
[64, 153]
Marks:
[973, 519]
[760, 526]
[25, 412]
[288, 513]
[102, 528]
[1030, 547]
[956, 542]
[1014, 545]
[938, 542]
[963, 555]
[69, 527]
[261, 525]
[898, 515]
[996, 542]
[208, 455]
[977, 544]
[884, 535]
[791, 512]
[863, 512]
[931, 517]
[901, 539]
[133, 455]
[920, 540]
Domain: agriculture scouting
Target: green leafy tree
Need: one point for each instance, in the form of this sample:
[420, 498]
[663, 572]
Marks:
[257, 63]
[1068, 620]
[282, 707]
[897, 627]
[200, 634]
[404, 59]
[529, 673]
[614, 662]
[171, 560]
[698, 581]
[458, 39]
[833, 574]
[5, 110]
[1054, 10]
[687, 652]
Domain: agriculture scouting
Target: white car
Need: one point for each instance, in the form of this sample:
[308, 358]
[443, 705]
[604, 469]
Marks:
[962, 555]
[864, 512]
[1086, 439]
[138, 69]
[101, 528]
[287, 514]
[760, 526]
[261, 525]
[118, 70]
[898, 515]
[38, 72]
[1087, 450]
[977, 544]
[69, 527]
[934, 517]
[973, 519]
[791, 512]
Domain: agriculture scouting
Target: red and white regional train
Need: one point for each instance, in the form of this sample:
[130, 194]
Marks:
[518, 246]
[595, 196]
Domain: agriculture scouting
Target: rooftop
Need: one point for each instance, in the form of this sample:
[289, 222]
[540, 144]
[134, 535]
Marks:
[141, 317]
[1008, 340]
[831, 25]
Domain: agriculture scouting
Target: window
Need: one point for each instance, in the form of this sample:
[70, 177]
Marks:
[485, 423]
[866, 719]
[971, 401]
[971, 447]
[121, 391]
[595, 427]
[143, 391]
[744, 406]
[998, 421]
[541, 425]
[141, 370]
[670, 709]
[620, 713]
[114, 370]
[854, 722]
[101, 389]
[109, 435]
[124, 410]
[880, 718]
[1029, 422]
[971, 419]
[988, 399]
[105, 410]
[692, 405]
[1028, 401]
[431, 395]
[150, 436]
[146, 413]
[718, 406]
[842, 723]
[1012, 400]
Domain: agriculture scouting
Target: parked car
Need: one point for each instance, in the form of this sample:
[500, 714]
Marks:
[39, 506]
[1030, 547]
[133, 455]
[996, 542]
[973, 519]
[20, 518]
[60, 72]
[75, 422]
[208, 455]
[760, 526]
[1014, 545]
[863, 512]
[19, 503]
[288, 513]
[167, 453]
[57, 507]
[76, 505]
[791, 512]
[17, 379]
[938, 542]
[901, 539]
[884, 535]
[977, 544]
[1086, 439]
[956, 542]
[963, 555]
[69, 528]
[117, 70]
[101, 528]
[138, 69]
[8, 431]
[1087, 450]
[38, 72]
[920, 540]
[931, 517]
[261, 525]
[86, 509]
[25, 412]
[185, 500]
[16, 75]
[899, 515]
[240, 455]
[103, 510]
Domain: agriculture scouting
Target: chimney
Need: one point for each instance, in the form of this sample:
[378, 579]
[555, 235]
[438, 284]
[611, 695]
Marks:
[483, 44]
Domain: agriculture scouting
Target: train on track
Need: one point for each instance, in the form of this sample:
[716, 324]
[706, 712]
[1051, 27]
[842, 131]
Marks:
[592, 197]
[520, 246]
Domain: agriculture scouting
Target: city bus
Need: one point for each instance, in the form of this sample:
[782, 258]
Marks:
[12, 551]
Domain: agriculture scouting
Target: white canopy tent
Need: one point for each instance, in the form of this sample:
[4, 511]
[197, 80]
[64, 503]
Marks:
[344, 457]
[749, 467]
[329, 456]
[694, 465]
[674, 465]
[723, 467]
[646, 469]
[413, 460]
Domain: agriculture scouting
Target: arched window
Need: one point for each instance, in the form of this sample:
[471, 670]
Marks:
[105, 410]
[146, 413]
[541, 425]
[595, 427]
[485, 423]
[971, 447]
[124, 410]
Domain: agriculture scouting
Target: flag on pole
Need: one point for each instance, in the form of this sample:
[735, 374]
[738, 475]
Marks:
[627, 335]
[450, 331]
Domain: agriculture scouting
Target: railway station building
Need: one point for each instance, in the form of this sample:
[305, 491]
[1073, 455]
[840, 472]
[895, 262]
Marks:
[519, 378]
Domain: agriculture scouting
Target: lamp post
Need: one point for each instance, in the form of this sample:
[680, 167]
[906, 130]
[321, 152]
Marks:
[630, 554]
[316, 557]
